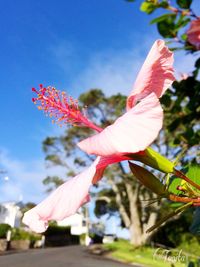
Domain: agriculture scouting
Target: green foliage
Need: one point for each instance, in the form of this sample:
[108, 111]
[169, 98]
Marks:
[175, 233]
[155, 160]
[20, 234]
[92, 98]
[193, 173]
[184, 3]
[189, 243]
[54, 159]
[124, 251]
[82, 239]
[48, 142]
[184, 105]
[147, 179]
[195, 226]
[197, 64]
[28, 206]
[174, 183]
[167, 28]
[4, 227]
[169, 24]
[148, 7]
[54, 180]
[162, 18]
[172, 24]
[105, 203]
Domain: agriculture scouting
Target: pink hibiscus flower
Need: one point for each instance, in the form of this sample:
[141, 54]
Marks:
[193, 33]
[63, 202]
[139, 126]
[130, 134]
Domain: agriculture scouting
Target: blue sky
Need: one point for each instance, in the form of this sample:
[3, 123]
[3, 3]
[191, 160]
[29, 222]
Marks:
[74, 45]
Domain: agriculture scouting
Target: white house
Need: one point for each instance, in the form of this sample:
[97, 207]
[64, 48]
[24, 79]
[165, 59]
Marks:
[10, 213]
[77, 223]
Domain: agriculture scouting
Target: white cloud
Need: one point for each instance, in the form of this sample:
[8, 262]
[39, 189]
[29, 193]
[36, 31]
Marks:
[25, 179]
[116, 71]
[65, 55]
[112, 70]
[184, 63]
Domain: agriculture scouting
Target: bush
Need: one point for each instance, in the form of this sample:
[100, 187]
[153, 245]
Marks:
[19, 234]
[82, 239]
[4, 227]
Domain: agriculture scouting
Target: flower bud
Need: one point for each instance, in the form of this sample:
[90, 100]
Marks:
[155, 160]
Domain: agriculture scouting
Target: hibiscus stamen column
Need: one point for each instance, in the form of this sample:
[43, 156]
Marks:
[63, 108]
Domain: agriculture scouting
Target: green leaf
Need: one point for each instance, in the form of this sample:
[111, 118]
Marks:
[165, 30]
[148, 7]
[164, 4]
[176, 48]
[166, 100]
[184, 37]
[167, 27]
[184, 3]
[148, 179]
[54, 159]
[182, 22]
[194, 173]
[174, 183]
[161, 18]
[155, 160]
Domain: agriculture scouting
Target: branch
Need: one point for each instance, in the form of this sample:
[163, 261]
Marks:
[133, 196]
[119, 202]
[152, 218]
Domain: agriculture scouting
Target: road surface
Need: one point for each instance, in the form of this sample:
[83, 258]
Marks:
[72, 256]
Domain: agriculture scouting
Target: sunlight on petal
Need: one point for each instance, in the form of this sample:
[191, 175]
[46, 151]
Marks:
[156, 74]
[64, 201]
[130, 133]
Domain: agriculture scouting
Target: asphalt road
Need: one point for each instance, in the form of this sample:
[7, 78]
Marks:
[72, 256]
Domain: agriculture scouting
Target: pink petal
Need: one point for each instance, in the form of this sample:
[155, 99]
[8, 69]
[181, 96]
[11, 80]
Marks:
[108, 160]
[156, 74]
[193, 33]
[64, 201]
[130, 133]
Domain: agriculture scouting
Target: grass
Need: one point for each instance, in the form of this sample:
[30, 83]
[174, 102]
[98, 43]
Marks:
[146, 256]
